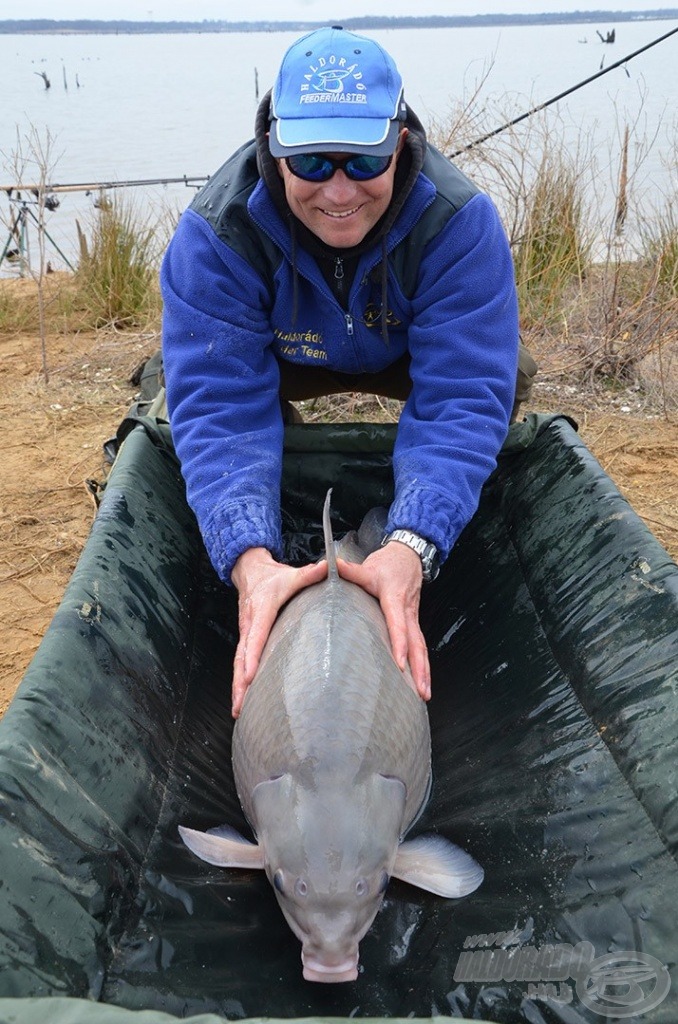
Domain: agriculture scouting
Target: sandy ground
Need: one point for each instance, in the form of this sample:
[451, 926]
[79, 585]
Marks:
[52, 445]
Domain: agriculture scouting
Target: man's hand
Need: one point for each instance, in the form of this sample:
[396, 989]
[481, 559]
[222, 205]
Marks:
[393, 575]
[263, 586]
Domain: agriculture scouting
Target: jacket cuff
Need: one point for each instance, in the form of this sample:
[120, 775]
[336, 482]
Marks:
[429, 514]
[230, 531]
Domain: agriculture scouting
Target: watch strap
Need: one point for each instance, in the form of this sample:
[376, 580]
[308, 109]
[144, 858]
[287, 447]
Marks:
[427, 551]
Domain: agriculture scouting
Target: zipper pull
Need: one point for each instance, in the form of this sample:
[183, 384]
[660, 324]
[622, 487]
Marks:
[349, 324]
[338, 268]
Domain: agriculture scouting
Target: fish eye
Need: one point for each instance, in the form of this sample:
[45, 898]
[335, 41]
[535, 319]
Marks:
[278, 881]
[361, 887]
[383, 883]
[300, 887]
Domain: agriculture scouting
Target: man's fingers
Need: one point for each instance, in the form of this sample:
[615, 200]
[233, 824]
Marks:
[248, 651]
[239, 687]
[260, 602]
[396, 622]
[255, 641]
[265, 614]
[306, 576]
[419, 663]
[392, 605]
[407, 640]
[247, 656]
[400, 605]
[356, 573]
[409, 648]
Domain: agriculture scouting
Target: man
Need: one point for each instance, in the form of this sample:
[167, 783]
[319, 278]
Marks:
[337, 252]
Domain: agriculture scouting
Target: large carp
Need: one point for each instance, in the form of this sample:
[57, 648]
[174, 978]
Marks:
[332, 764]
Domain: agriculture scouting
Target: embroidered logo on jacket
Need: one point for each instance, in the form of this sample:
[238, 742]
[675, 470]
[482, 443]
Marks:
[372, 316]
[333, 80]
[300, 345]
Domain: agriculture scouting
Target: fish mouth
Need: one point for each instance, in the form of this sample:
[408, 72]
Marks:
[314, 970]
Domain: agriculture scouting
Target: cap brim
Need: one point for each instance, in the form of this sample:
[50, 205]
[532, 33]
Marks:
[378, 136]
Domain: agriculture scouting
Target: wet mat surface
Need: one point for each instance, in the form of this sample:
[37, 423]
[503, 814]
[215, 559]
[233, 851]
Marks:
[553, 633]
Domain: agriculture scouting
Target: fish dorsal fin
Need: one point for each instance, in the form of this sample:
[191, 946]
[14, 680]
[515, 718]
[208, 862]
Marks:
[330, 551]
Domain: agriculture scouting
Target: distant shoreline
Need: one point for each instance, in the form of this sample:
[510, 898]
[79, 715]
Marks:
[46, 26]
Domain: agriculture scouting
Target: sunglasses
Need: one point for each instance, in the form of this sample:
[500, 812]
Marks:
[318, 167]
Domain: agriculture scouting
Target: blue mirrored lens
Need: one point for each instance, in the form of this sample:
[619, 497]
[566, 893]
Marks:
[311, 166]
[316, 167]
[364, 167]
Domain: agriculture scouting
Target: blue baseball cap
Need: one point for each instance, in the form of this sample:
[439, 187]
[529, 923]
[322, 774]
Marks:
[336, 92]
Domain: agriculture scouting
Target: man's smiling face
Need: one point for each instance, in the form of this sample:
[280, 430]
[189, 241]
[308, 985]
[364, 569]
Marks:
[340, 211]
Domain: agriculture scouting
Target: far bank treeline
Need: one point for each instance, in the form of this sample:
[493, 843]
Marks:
[46, 25]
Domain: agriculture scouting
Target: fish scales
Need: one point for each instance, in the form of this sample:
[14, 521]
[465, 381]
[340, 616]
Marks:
[329, 696]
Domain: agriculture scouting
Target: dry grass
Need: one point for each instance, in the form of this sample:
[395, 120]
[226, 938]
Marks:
[116, 278]
[349, 408]
[612, 319]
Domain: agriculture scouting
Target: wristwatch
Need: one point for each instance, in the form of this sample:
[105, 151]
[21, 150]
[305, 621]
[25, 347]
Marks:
[428, 552]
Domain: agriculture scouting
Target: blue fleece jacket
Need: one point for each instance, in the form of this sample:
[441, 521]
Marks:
[228, 282]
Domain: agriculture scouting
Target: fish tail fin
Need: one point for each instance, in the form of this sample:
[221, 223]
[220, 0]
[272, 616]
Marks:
[330, 551]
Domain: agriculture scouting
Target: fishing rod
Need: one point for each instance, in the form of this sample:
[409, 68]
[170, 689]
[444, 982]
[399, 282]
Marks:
[562, 95]
[16, 246]
[94, 186]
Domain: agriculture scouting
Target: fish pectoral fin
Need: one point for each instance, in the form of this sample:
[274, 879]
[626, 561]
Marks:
[228, 832]
[435, 864]
[223, 846]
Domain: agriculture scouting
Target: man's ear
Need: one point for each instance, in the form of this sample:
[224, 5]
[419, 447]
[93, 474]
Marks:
[404, 132]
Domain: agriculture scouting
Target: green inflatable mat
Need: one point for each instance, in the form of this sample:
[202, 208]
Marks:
[79, 1011]
[553, 634]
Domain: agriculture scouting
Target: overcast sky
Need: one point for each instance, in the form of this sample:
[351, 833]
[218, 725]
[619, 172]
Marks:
[314, 10]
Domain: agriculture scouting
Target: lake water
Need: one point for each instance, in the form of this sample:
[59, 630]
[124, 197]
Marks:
[161, 106]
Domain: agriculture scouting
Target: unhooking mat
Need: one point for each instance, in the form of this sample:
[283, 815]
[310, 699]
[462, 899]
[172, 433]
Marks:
[553, 634]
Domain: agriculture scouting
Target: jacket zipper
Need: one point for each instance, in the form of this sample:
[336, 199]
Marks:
[339, 277]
